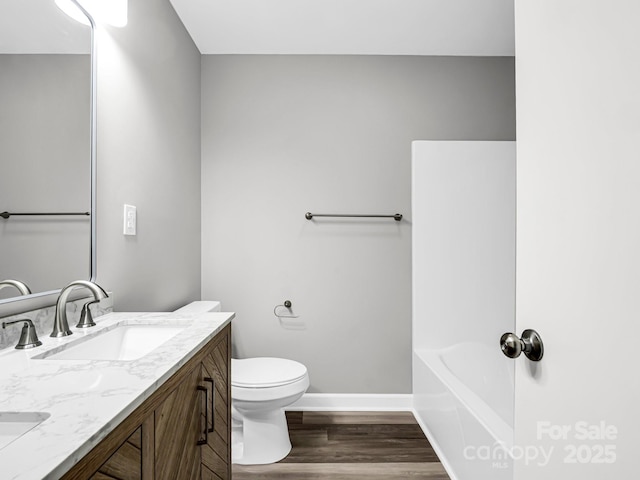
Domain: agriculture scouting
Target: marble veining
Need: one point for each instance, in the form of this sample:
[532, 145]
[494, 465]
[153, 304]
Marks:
[42, 319]
[87, 399]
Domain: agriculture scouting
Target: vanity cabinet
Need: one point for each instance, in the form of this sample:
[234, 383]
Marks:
[178, 428]
[126, 462]
[216, 452]
[182, 431]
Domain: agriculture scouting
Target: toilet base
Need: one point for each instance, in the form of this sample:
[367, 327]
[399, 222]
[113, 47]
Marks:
[263, 438]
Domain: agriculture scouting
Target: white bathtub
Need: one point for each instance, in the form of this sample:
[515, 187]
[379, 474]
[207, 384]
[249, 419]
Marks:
[463, 269]
[463, 398]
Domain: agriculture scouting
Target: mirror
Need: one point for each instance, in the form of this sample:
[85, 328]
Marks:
[47, 147]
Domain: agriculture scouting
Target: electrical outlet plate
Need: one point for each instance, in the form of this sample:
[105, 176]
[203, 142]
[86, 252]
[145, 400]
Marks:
[130, 220]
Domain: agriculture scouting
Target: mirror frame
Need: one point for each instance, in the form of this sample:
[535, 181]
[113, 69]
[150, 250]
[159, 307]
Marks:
[34, 301]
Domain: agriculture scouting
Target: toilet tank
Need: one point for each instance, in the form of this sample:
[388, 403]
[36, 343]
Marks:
[202, 306]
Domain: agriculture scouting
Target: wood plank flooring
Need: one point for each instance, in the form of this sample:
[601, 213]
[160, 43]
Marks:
[349, 446]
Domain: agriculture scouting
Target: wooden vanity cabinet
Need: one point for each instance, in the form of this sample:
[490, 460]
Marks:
[126, 462]
[178, 427]
[183, 431]
[216, 452]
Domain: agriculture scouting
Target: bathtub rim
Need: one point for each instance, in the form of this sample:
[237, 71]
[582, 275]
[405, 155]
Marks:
[500, 430]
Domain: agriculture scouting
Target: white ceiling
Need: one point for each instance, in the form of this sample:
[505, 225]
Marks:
[363, 27]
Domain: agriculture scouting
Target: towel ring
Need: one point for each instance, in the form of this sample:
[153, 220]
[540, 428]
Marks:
[287, 305]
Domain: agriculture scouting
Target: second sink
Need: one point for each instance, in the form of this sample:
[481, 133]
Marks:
[15, 424]
[120, 342]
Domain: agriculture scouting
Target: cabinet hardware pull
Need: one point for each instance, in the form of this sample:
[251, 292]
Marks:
[213, 402]
[206, 415]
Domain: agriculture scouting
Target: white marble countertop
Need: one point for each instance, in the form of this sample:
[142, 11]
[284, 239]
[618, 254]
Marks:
[87, 399]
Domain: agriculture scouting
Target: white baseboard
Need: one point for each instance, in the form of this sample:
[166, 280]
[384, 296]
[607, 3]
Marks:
[363, 402]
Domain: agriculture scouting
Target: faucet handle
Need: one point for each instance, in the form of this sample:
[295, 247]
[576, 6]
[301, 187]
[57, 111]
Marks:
[86, 317]
[28, 336]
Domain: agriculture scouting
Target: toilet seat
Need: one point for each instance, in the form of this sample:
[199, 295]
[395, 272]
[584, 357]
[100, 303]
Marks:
[266, 395]
[266, 372]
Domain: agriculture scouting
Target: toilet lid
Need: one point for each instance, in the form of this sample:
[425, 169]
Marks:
[263, 372]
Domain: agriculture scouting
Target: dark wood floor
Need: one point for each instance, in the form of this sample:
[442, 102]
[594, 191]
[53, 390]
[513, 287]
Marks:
[351, 445]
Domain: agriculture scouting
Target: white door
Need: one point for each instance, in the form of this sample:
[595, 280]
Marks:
[578, 238]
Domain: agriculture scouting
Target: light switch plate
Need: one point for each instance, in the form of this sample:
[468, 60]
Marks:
[130, 219]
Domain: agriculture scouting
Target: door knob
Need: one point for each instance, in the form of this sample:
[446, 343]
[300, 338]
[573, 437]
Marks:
[529, 342]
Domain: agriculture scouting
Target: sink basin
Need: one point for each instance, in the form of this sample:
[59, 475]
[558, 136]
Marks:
[15, 424]
[120, 342]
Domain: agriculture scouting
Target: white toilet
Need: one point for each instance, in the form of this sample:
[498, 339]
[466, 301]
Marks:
[260, 390]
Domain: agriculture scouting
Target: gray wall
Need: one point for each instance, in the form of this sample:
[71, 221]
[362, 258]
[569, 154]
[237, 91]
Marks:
[44, 152]
[149, 156]
[282, 135]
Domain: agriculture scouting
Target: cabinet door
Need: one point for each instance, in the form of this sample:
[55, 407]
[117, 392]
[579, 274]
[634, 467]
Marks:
[216, 454]
[125, 463]
[169, 440]
[178, 428]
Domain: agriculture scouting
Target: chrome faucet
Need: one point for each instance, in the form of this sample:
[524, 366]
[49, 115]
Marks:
[60, 324]
[20, 286]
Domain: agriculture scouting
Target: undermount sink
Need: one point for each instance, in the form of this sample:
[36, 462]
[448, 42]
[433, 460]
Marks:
[15, 424]
[120, 342]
